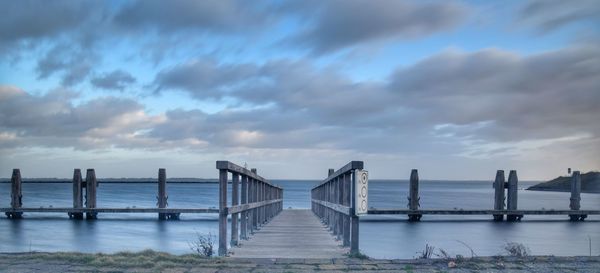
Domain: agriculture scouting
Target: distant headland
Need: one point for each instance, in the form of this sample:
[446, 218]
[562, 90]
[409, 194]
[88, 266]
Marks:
[590, 183]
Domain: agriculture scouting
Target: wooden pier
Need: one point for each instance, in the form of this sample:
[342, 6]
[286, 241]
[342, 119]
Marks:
[260, 228]
[292, 234]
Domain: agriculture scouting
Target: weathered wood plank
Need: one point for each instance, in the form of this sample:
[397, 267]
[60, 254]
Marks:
[291, 234]
[333, 206]
[352, 165]
[232, 167]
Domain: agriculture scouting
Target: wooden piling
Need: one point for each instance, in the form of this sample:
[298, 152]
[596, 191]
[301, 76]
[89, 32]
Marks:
[162, 192]
[77, 194]
[413, 198]
[499, 194]
[90, 193]
[511, 201]
[16, 195]
[575, 199]
[244, 216]
[235, 179]
[222, 212]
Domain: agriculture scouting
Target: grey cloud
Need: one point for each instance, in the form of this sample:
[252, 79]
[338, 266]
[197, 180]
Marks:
[549, 15]
[37, 18]
[115, 80]
[212, 15]
[72, 63]
[24, 25]
[547, 95]
[340, 24]
[293, 85]
[204, 78]
[52, 119]
[452, 98]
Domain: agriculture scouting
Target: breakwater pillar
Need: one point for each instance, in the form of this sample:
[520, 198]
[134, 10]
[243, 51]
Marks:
[16, 195]
[499, 194]
[512, 198]
[77, 195]
[575, 200]
[413, 195]
[91, 186]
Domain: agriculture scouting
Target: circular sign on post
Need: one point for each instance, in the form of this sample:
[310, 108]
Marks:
[363, 178]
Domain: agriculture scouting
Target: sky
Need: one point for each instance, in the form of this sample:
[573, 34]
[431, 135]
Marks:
[456, 89]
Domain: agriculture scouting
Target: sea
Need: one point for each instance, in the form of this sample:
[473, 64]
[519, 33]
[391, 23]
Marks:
[384, 236]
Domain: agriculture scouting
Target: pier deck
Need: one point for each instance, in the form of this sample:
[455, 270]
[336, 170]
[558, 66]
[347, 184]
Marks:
[291, 234]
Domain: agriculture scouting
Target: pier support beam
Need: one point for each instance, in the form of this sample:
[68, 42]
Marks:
[575, 200]
[77, 195]
[513, 190]
[413, 198]
[499, 194]
[91, 186]
[16, 195]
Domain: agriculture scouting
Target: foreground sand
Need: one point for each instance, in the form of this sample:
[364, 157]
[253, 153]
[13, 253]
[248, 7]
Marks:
[151, 261]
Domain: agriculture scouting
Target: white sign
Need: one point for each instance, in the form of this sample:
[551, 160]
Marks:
[361, 187]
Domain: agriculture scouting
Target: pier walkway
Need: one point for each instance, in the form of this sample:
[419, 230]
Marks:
[291, 234]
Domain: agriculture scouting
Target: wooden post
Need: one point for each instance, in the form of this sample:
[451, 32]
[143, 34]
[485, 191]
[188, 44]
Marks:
[222, 212]
[162, 192]
[16, 195]
[90, 193]
[244, 216]
[256, 193]
[235, 178]
[575, 199]
[347, 193]
[499, 194]
[340, 200]
[353, 219]
[261, 210]
[413, 198]
[254, 200]
[511, 200]
[77, 194]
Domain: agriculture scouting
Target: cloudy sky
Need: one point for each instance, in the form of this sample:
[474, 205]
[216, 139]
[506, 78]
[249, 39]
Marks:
[457, 89]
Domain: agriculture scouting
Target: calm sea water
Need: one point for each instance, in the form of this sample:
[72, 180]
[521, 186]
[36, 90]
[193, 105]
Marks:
[380, 236]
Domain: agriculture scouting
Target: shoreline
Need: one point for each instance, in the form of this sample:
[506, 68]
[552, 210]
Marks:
[152, 261]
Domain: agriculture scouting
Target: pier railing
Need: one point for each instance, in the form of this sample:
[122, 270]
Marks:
[260, 202]
[334, 202]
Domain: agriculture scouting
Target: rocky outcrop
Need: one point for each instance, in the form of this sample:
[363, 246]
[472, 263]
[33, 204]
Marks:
[590, 183]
